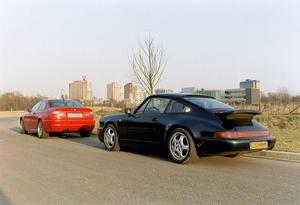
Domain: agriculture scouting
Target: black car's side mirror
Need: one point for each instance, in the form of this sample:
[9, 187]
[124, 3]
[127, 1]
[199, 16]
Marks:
[128, 111]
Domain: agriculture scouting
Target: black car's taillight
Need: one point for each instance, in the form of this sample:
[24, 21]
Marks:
[241, 134]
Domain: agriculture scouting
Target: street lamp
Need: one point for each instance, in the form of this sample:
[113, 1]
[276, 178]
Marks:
[62, 94]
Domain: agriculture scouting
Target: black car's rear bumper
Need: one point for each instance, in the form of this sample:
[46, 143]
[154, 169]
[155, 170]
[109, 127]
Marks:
[213, 146]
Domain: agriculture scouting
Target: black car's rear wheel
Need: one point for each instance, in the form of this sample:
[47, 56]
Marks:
[111, 138]
[181, 146]
[41, 130]
[23, 131]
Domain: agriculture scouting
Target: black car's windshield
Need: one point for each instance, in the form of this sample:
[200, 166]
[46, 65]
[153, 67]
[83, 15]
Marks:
[65, 103]
[208, 103]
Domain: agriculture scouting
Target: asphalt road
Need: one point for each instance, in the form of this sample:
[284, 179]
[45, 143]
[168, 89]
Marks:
[73, 170]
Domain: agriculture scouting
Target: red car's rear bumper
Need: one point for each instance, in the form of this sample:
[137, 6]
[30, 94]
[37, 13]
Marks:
[68, 125]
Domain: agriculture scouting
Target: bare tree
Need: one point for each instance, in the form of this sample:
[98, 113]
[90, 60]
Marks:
[148, 64]
[284, 95]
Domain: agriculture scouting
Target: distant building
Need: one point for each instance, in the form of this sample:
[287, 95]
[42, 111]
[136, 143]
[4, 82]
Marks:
[252, 96]
[133, 95]
[130, 90]
[248, 96]
[114, 91]
[81, 90]
[218, 94]
[163, 91]
[189, 90]
[236, 95]
[248, 93]
[250, 84]
[139, 97]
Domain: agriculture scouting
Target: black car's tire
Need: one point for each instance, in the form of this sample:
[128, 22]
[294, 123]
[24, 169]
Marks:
[232, 155]
[111, 138]
[181, 146]
[22, 131]
[41, 131]
[85, 133]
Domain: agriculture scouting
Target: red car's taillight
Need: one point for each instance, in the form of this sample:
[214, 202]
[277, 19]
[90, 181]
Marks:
[58, 114]
[241, 134]
[90, 114]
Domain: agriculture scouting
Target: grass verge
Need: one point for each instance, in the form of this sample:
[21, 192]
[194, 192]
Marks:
[286, 129]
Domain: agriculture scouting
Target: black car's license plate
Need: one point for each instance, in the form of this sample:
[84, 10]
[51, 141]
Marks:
[259, 145]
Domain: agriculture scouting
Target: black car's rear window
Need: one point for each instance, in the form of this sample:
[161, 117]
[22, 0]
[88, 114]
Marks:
[65, 103]
[208, 103]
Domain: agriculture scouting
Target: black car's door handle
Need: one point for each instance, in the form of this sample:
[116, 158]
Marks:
[155, 119]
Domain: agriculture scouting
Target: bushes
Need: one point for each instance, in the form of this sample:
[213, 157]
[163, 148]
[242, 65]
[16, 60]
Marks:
[17, 101]
[280, 121]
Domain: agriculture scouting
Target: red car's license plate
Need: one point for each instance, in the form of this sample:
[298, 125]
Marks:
[74, 115]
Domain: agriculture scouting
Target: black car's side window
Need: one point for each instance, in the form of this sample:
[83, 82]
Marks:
[157, 105]
[142, 108]
[176, 107]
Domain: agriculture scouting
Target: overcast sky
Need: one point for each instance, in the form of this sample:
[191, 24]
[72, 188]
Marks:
[211, 44]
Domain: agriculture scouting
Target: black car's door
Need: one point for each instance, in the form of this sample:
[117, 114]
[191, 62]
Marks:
[145, 124]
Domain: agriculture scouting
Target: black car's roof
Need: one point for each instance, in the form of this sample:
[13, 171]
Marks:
[180, 95]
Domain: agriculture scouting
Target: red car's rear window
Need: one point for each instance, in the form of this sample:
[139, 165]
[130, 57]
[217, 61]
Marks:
[65, 103]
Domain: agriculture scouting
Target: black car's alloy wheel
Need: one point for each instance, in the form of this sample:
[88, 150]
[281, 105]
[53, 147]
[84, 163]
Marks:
[111, 139]
[181, 146]
[41, 131]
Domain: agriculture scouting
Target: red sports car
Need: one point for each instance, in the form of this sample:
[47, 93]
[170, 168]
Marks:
[58, 116]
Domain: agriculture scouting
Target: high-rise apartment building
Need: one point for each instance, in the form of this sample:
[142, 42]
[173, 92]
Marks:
[130, 90]
[114, 91]
[132, 94]
[81, 90]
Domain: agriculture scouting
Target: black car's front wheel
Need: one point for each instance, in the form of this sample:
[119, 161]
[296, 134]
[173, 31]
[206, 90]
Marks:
[181, 146]
[111, 138]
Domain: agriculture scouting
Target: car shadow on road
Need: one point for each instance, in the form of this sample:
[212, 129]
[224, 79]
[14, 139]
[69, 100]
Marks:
[3, 199]
[15, 129]
[18, 131]
[147, 151]
[92, 141]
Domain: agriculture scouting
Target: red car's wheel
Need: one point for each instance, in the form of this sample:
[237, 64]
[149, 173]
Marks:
[23, 131]
[41, 131]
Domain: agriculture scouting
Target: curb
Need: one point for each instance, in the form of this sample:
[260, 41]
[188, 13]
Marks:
[276, 155]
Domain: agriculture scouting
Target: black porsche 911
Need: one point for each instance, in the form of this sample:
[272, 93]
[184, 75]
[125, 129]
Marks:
[187, 126]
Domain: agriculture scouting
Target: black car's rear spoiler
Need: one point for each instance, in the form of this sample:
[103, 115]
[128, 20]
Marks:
[237, 114]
